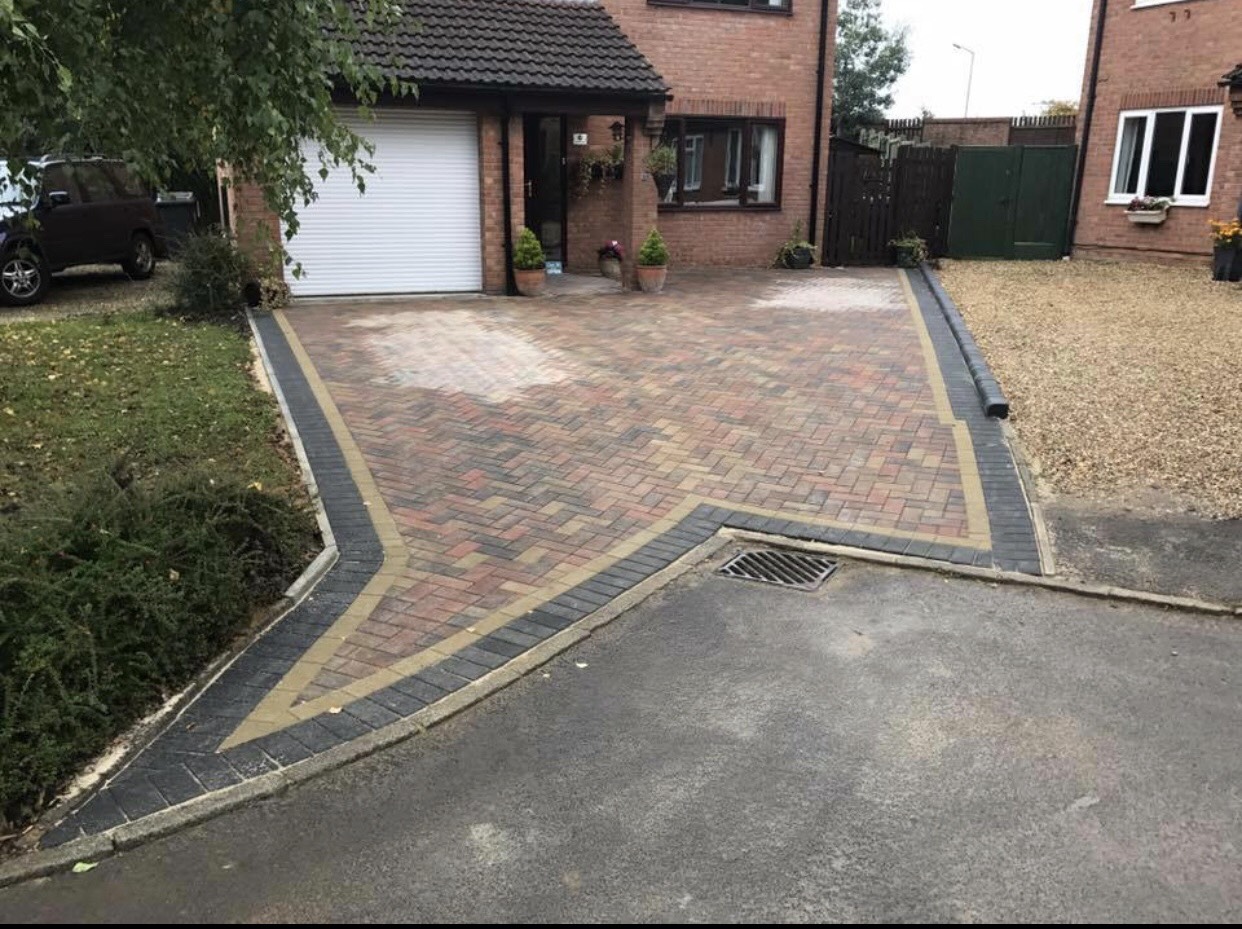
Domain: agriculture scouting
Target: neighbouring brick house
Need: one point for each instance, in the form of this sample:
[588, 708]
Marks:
[1165, 102]
[513, 94]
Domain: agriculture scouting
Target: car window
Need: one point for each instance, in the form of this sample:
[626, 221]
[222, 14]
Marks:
[95, 184]
[129, 186]
[60, 177]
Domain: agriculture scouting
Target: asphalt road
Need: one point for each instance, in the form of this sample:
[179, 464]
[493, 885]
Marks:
[896, 747]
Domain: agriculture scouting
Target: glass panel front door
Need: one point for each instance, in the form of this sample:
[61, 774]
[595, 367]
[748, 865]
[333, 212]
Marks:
[545, 183]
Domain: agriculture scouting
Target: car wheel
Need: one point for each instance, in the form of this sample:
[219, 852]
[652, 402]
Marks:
[24, 278]
[139, 264]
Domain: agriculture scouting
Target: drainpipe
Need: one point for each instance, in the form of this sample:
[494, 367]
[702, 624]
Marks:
[1087, 116]
[506, 182]
[817, 150]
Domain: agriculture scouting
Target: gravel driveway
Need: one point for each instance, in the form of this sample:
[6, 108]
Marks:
[1123, 377]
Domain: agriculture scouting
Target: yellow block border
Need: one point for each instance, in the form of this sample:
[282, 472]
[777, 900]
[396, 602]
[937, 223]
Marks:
[279, 708]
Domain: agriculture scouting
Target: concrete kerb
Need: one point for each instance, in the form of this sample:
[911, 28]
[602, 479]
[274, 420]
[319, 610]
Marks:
[993, 575]
[266, 786]
[990, 393]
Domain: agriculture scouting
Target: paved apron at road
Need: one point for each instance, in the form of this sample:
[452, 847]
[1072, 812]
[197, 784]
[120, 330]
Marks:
[496, 470]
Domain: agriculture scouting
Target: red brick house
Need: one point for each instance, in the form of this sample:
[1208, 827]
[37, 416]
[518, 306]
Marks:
[1161, 116]
[513, 94]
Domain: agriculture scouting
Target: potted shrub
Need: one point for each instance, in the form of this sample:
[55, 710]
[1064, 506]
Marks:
[610, 257]
[1149, 211]
[662, 166]
[1227, 250]
[797, 254]
[910, 250]
[653, 263]
[529, 266]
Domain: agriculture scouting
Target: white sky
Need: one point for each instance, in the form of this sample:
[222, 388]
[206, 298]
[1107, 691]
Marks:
[1026, 52]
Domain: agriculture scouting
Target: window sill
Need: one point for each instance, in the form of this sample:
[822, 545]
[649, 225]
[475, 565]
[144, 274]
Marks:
[720, 208]
[1180, 204]
[762, 11]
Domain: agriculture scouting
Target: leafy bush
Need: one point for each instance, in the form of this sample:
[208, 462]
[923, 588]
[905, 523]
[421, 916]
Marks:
[528, 253]
[210, 277]
[112, 598]
[654, 253]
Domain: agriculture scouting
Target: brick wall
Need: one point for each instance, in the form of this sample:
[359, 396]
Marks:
[491, 193]
[947, 132]
[726, 61]
[596, 216]
[1168, 55]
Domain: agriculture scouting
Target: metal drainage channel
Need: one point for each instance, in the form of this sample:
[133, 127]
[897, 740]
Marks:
[794, 570]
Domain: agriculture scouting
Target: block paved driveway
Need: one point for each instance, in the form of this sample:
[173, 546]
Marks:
[495, 471]
[521, 446]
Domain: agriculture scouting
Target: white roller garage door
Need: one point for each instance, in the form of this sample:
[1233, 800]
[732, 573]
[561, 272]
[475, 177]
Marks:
[415, 230]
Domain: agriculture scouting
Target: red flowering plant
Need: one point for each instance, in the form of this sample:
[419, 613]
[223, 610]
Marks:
[612, 249]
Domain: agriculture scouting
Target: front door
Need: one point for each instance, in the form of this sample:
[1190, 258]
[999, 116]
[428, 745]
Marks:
[545, 185]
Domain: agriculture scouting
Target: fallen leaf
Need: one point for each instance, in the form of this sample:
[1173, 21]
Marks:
[83, 866]
[334, 710]
[581, 664]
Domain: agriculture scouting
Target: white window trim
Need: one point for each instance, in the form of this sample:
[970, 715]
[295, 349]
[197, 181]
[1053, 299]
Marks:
[696, 159]
[1118, 199]
[1139, 4]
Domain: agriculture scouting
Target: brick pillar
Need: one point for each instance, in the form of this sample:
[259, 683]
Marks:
[638, 197]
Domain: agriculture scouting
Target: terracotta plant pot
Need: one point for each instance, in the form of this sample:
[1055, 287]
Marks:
[610, 268]
[651, 280]
[531, 283]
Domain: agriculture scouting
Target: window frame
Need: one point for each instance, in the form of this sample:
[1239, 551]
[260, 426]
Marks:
[1197, 201]
[698, 138]
[744, 124]
[752, 6]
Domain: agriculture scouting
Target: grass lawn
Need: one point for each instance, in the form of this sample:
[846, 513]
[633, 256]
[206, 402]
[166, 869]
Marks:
[148, 512]
[1124, 378]
[82, 394]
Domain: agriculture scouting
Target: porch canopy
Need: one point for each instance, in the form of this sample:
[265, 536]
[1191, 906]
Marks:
[533, 51]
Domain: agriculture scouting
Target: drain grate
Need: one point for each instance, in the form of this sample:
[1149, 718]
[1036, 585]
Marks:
[785, 569]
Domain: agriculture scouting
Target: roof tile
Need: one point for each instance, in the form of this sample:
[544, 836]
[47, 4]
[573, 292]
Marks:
[531, 44]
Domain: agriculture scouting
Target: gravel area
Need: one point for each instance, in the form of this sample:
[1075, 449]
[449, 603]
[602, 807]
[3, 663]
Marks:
[1125, 379]
[95, 289]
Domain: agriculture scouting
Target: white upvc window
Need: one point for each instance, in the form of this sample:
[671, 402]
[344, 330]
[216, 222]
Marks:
[694, 162]
[1166, 153]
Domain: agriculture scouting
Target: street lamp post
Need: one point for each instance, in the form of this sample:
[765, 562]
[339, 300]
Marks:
[970, 81]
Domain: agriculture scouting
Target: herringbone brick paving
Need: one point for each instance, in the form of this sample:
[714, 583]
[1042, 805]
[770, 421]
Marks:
[515, 442]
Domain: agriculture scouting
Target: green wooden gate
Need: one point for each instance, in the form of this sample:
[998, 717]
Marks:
[1012, 202]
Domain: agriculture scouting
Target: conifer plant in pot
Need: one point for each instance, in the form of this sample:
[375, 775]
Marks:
[529, 265]
[652, 263]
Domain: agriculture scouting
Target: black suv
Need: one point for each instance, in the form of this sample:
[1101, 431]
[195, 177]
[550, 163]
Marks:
[88, 211]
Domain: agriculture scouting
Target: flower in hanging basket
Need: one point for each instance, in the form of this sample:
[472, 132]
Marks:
[612, 249]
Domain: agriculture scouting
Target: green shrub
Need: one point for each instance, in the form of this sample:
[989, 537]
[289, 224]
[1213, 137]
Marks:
[112, 598]
[654, 253]
[209, 278]
[528, 253]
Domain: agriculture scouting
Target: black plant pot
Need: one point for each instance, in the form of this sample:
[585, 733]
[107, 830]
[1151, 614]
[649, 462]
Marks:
[799, 259]
[907, 257]
[1227, 264]
[664, 183]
